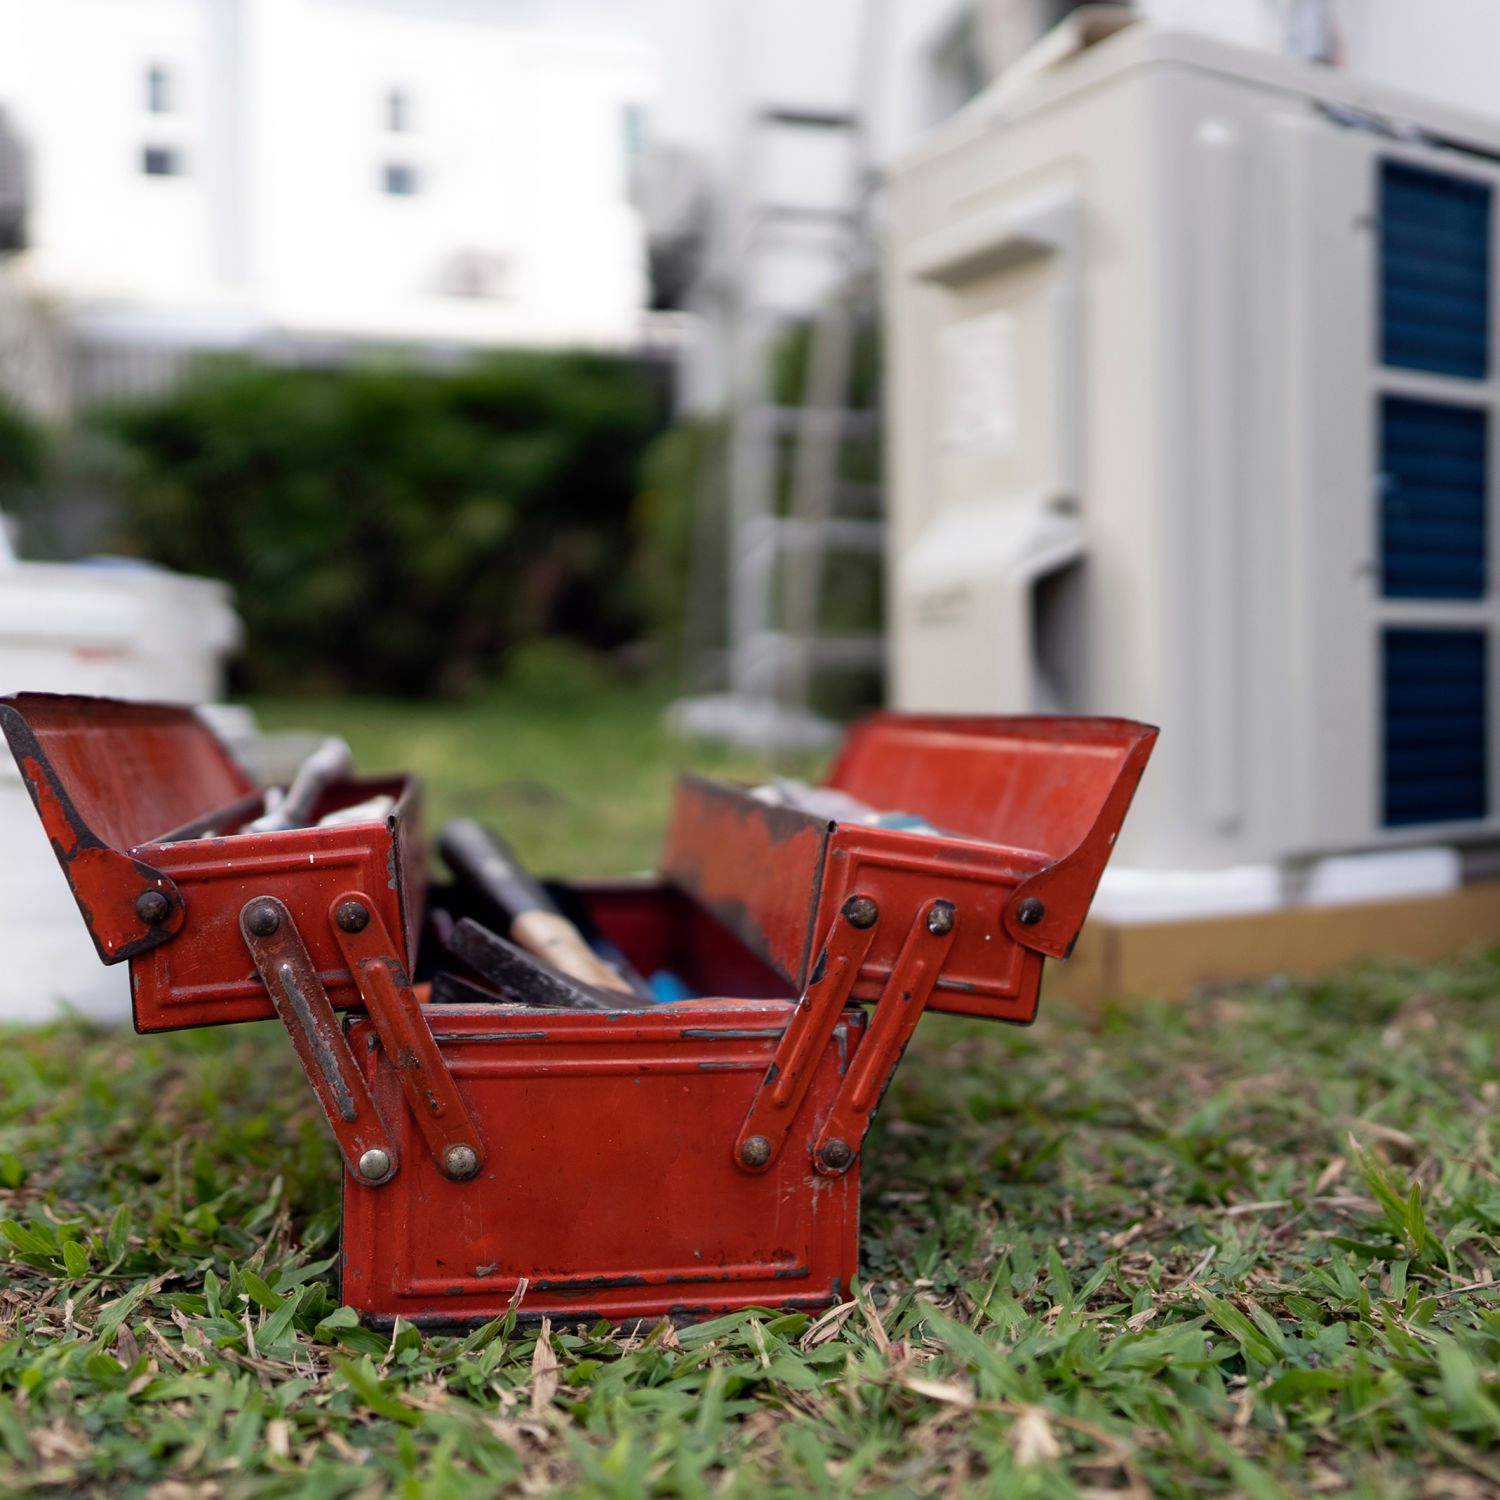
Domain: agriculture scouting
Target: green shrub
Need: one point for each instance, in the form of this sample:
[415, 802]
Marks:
[393, 530]
[22, 454]
[672, 534]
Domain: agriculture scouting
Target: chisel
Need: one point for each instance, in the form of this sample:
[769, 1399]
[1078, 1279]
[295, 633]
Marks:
[486, 865]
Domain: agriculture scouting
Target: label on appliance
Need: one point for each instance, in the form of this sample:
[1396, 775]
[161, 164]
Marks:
[977, 383]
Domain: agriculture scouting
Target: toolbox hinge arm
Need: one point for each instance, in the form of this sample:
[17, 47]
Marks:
[902, 1001]
[805, 1039]
[436, 1104]
[365, 1141]
[291, 979]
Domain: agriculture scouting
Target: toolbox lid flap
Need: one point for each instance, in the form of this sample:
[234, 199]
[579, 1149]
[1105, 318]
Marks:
[1054, 785]
[1033, 802]
[108, 777]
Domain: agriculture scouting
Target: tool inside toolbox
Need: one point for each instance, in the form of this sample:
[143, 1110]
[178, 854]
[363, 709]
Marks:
[622, 1099]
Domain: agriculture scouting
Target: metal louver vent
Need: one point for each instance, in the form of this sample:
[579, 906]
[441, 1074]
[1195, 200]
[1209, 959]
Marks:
[1435, 726]
[1434, 271]
[1434, 488]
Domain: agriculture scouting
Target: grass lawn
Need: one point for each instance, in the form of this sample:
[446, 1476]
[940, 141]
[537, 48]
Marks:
[1243, 1247]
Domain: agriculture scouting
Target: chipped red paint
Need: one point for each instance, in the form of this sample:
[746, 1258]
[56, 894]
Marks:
[106, 883]
[923, 956]
[1033, 806]
[1057, 788]
[779, 1100]
[755, 867]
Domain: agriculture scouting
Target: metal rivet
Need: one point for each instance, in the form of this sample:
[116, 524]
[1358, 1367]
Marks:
[940, 919]
[1030, 912]
[263, 919]
[353, 916]
[460, 1162]
[836, 1153]
[375, 1164]
[860, 911]
[152, 907]
[756, 1151]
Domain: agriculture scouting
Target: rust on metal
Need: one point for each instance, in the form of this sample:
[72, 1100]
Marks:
[1053, 786]
[756, 867]
[617, 1196]
[127, 906]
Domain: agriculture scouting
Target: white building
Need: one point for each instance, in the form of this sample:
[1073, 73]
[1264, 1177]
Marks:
[251, 172]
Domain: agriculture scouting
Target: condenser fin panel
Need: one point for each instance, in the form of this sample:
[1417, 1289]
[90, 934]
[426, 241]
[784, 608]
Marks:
[1434, 484]
[1435, 726]
[1434, 271]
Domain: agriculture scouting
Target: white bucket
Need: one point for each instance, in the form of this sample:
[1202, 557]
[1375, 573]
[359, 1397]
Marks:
[117, 630]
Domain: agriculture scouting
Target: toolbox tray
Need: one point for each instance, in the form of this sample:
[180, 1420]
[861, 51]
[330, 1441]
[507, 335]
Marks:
[139, 797]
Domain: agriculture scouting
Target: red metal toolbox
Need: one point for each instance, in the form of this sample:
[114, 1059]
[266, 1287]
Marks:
[668, 1160]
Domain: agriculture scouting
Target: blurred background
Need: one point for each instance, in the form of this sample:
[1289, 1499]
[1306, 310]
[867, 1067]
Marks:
[532, 388]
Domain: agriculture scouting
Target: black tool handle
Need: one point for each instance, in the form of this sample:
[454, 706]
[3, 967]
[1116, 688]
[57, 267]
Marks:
[487, 864]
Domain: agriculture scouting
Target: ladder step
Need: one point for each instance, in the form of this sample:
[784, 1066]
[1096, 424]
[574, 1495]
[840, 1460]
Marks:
[805, 213]
[804, 118]
[787, 421]
[848, 652]
[840, 653]
[860, 496]
[841, 533]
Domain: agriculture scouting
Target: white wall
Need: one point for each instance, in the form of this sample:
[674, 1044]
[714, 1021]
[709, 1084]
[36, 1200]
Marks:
[103, 226]
[1441, 49]
[279, 220]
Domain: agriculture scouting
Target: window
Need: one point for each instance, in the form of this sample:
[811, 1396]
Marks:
[399, 179]
[161, 161]
[397, 111]
[158, 90]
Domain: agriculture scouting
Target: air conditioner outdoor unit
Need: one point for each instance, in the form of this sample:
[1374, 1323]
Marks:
[1192, 414]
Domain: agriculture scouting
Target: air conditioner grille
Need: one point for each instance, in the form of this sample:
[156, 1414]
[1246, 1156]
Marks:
[1434, 271]
[1434, 483]
[1436, 713]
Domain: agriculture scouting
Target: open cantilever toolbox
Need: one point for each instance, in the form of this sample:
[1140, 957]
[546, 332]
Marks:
[676, 1159]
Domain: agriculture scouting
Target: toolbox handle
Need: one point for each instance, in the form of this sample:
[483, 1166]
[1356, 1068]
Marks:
[291, 979]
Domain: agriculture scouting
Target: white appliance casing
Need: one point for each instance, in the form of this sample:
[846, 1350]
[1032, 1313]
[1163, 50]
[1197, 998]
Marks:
[1166, 249]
